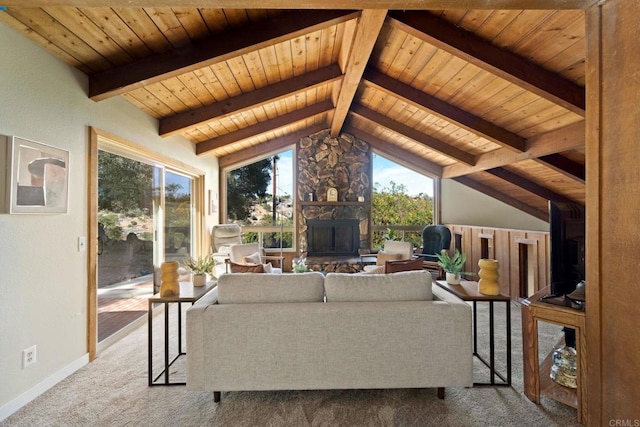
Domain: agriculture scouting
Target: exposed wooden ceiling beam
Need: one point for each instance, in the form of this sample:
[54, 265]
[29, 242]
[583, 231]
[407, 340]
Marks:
[235, 43]
[565, 166]
[492, 192]
[364, 39]
[491, 58]
[428, 141]
[527, 184]
[264, 149]
[444, 110]
[317, 4]
[190, 119]
[565, 139]
[401, 157]
[262, 127]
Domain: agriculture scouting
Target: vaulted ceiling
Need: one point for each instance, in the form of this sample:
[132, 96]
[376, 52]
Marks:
[491, 98]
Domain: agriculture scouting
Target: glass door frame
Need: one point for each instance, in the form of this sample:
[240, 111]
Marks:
[100, 140]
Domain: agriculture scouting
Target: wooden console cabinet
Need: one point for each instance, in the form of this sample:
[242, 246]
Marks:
[536, 374]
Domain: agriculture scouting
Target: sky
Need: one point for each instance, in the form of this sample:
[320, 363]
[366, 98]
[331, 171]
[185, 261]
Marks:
[384, 171]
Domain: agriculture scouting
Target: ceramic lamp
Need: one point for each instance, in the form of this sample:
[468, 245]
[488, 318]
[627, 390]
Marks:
[488, 283]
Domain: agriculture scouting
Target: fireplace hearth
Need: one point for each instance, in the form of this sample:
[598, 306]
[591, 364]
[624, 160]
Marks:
[333, 237]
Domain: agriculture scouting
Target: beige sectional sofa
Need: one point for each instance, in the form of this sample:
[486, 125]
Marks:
[343, 331]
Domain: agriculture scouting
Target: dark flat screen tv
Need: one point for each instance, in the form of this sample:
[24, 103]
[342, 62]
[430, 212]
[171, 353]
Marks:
[567, 252]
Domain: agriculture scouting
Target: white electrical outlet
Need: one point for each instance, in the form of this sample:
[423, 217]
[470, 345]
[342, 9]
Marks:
[28, 356]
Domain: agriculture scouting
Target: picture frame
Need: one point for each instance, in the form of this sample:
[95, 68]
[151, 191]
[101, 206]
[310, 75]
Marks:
[213, 202]
[37, 177]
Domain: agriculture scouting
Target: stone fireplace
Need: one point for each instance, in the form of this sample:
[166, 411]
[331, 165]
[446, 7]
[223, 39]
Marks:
[333, 237]
[333, 228]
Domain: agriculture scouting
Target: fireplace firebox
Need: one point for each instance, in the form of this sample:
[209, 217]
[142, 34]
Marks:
[333, 237]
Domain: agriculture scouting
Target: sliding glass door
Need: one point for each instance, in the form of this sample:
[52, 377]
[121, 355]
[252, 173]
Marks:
[145, 216]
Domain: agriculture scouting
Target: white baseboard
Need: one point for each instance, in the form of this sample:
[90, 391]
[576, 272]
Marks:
[26, 397]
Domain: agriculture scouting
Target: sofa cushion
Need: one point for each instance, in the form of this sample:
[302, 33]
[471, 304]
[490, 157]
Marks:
[403, 265]
[247, 288]
[404, 286]
[246, 268]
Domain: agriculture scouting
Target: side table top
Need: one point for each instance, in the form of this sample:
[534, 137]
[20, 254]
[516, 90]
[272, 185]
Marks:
[188, 293]
[468, 291]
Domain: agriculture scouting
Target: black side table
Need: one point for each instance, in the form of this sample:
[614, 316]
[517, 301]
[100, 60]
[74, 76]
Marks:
[188, 294]
[468, 291]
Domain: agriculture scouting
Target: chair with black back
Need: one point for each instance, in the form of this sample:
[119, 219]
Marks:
[435, 238]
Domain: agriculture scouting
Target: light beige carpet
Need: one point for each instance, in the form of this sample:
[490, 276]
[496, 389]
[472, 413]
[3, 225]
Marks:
[113, 391]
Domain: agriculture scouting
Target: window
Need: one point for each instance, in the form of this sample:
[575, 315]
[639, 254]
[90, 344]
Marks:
[402, 203]
[259, 197]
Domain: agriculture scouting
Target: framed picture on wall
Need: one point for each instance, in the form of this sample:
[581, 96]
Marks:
[37, 177]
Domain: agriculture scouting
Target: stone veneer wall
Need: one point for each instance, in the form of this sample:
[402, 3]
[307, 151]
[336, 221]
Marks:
[343, 163]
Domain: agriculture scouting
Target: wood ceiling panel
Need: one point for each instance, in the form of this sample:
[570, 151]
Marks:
[400, 142]
[550, 179]
[519, 28]
[61, 37]
[149, 102]
[28, 32]
[255, 141]
[169, 25]
[145, 29]
[424, 122]
[540, 35]
[84, 27]
[474, 86]
[387, 47]
[117, 30]
[194, 85]
[192, 22]
[557, 122]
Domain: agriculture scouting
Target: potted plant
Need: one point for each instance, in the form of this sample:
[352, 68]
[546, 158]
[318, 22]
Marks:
[452, 265]
[299, 265]
[199, 268]
[390, 234]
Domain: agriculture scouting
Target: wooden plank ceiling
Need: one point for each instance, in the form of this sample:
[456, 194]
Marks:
[491, 98]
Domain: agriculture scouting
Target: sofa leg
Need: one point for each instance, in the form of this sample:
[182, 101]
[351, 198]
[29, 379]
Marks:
[216, 396]
[440, 392]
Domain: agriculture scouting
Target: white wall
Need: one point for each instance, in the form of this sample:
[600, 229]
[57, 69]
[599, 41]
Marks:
[43, 278]
[466, 206]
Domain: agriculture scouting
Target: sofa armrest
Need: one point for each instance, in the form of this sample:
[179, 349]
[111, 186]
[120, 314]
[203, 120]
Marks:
[209, 298]
[196, 331]
[440, 294]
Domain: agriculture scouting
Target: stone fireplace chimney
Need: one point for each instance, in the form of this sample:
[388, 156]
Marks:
[344, 164]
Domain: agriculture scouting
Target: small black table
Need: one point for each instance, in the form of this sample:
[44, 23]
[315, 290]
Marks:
[468, 291]
[188, 294]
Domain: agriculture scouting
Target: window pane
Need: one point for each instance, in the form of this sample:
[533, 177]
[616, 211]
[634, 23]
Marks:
[178, 209]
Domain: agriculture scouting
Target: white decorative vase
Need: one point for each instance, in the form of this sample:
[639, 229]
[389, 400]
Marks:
[199, 279]
[453, 278]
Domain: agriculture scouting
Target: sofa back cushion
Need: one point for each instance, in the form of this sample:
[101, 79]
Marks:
[403, 286]
[247, 288]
